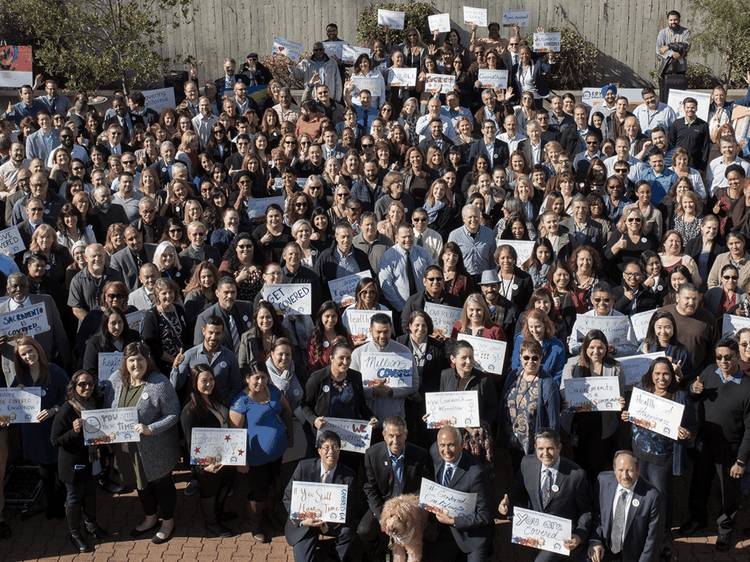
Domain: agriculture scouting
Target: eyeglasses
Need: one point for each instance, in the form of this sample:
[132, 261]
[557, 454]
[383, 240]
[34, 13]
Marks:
[77, 168]
[621, 170]
[84, 384]
[533, 358]
[342, 194]
[115, 133]
[35, 209]
[175, 231]
[591, 143]
[355, 209]
[725, 357]
[300, 205]
[730, 277]
[65, 137]
[634, 219]
[632, 274]
[513, 44]
[329, 448]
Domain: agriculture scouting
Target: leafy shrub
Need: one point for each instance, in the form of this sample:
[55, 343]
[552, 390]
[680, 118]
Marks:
[416, 16]
[576, 62]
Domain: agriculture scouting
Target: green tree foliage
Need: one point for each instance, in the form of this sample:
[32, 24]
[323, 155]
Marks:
[416, 16]
[97, 42]
[723, 27]
[576, 62]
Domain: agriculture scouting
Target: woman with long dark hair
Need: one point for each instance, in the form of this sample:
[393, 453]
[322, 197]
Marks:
[328, 328]
[661, 335]
[113, 335]
[244, 260]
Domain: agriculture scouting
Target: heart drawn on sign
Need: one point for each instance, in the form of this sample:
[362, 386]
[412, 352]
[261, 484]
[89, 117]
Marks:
[281, 49]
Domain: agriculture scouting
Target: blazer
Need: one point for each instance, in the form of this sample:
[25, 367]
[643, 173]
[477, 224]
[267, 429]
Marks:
[242, 312]
[124, 147]
[482, 383]
[317, 399]
[435, 362]
[309, 470]
[158, 227]
[547, 405]
[538, 68]
[572, 500]
[645, 522]
[480, 118]
[70, 447]
[124, 262]
[51, 340]
[592, 234]
[429, 141]
[526, 148]
[134, 119]
[100, 220]
[36, 147]
[189, 256]
[325, 267]
[379, 481]
[713, 298]
[500, 149]
[572, 143]
[471, 532]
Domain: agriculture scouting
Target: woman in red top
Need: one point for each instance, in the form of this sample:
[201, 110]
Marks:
[328, 328]
[476, 320]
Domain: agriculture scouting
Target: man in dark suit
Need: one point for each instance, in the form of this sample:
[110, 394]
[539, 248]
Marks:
[551, 484]
[434, 292]
[236, 315]
[495, 149]
[114, 143]
[230, 78]
[129, 260]
[573, 138]
[629, 515]
[119, 115]
[392, 467]
[436, 137]
[303, 535]
[332, 262]
[454, 469]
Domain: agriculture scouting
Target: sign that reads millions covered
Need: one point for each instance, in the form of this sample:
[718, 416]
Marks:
[26, 321]
[659, 414]
[393, 368]
[488, 354]
[20, 405]
[115, 425]
[214, 445]
[294, 298]
[452, 408]
[355, 434]
[592, 394]
[438, 499]
[326, 502]
[541, 531]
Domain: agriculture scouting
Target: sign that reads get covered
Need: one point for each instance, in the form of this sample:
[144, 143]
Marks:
[293, 298]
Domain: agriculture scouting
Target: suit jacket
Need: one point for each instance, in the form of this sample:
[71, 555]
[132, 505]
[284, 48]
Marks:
[525, 146]
[37, 148]
[500, 149]
[380, 481]
[429, 142]
[125, 129]
[124, 147]
[645, 521]
[572, 143]
[325, 266]
[190, 256]
[52, 339]
[471, 532]
[538, 68]
[242, 312]
[124, 262]
[308, 470]
[317, 398]
[220, 83]
[572, 500]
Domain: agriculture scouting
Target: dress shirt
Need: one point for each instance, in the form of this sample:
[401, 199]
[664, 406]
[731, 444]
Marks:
[431, 241]
[224, 365]
[660, 184]
[736, 378]
[423, 126]
[478, 251]
[393, 277]
[511, 142]
[715, 177]
[346, 265]
[553, 470]
[636, 166]
[663, 117]
[397, 465]
[203, 126]
[330, 473]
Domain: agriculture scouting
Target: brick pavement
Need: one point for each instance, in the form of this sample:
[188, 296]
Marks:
[39, 539]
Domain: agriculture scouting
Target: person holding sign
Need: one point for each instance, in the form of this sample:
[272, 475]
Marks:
[303, 535]
[661, 335]
[592, 434]
[114, 334]
[469, 534]
[206, 408]
[723, 390]
[319, 70]
[363, 72]
[552, 484]
[148, 464]
[76, 461]
[477, 321]
[538, 326]
[526, 76]
[662, 458]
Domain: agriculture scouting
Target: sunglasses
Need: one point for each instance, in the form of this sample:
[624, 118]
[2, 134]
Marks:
[300, 205]
[415, 219]
[597, 301]
[367, 145]
[434, 279]
[634, 220]
[117, 296]
[84, 384]
[725, 357]
[533, 358]
[730, 277]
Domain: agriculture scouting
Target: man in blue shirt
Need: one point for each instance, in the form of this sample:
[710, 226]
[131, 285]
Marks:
[658, 176]
[477, 242]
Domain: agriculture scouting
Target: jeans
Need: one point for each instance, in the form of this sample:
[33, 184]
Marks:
[76, 492]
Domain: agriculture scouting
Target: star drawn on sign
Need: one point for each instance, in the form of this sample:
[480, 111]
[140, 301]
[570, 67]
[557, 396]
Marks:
[197, 450]
[228, 438]
[240, 452]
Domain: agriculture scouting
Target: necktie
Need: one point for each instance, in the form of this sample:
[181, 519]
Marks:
[420, 241]
[234, 333]
[326, 477]
[54, 102]
[546, 487]
[447, 475]
[138, 261]
[398, 472]
[618, 524]
[410, 276]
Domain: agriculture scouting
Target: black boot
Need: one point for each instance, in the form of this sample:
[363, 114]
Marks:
[89, 517]
[73, 513]
[212, 524]
[221, 498]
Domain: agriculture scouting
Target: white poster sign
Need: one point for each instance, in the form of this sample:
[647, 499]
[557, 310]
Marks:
[135, 320]
[311, 500]
[393, 368]
[443, 317]
[364, 83]
[20, 405]
[394, 20]
[402, 77]
[475, 16]
[109, 364]
[676, 98]
[523, 250]
[355, 435]
[443, 82]
[660, 415]
[343, 288]
[358, 321]
[257, 207]
[160, 99]
[290, 298]
[614, 327]
[26, 321]
[592, 96]
[114, 425]
[731, 324]
[540, 530]
[636, 366]
[640, 323]
[492, 78]
[286, 48]
[546, 42]
[517, 17]
[215, 445]
[438, 499]
[10, 240]
[333, 48]
[349, 54]
[488, 354]
[592, 394]
[439, 22]
[452, 408]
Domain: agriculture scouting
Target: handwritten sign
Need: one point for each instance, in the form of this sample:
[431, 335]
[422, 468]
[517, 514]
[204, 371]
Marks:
[438, 499]
[286, 48]
[546, 42]
[592, 394]
[402, 77]
[215, 445]
[326, 502]
[26, 321]
[20, 405]
[488, 354]
[258, 207]
[333, 48]
[343, 287]
[452, 408]
[443, 317]
[640, 323]
[614, 327]
[442, 82]
[540, 530]
[493, 78]
[114, 425]
[439, 22]
[292, 298]
[394, 20]
[349, 54]
[10, 240]
[393, 368]
[660, 415]
[523, 249]
[135, 320]
[109, 363]
[355, 435]
[475, 16]
[676, 98]
[517, 17]
[160, 99]
[358, 321]
[636, 366]
[731, 324]
[365, 83]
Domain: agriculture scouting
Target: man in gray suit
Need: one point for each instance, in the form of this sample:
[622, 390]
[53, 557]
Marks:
[43, 141]
[51, 340]
[130, 259]
[237, 316]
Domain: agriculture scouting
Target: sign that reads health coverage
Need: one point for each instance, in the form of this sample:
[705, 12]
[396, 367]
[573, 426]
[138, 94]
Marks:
[343, 288]
[115, 425]
[215, 445]
[109, 363]
[20, 405]
[656, 413]
[438, 499]
[393, 368]
[293, 298]
[326, 502]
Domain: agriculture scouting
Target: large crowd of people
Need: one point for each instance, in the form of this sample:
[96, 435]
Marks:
[154, 235]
